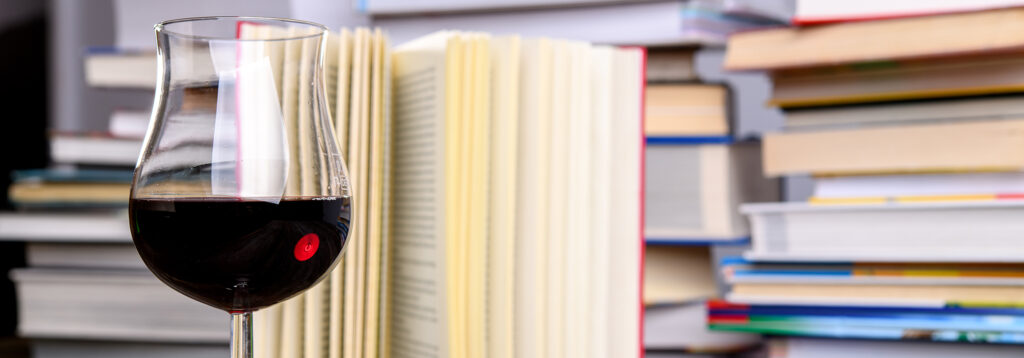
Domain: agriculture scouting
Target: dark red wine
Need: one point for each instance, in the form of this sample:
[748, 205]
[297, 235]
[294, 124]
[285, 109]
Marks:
[240, 255]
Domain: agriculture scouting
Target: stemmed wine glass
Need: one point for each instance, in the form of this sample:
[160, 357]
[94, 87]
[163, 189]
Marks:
[240, 198]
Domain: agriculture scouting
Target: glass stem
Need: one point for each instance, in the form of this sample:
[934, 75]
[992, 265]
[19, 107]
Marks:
[241, 335]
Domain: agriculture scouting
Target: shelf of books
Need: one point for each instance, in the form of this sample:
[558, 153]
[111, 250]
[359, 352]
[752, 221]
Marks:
[912, 135]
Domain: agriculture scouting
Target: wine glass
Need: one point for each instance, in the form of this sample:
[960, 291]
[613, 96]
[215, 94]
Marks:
[240, 198]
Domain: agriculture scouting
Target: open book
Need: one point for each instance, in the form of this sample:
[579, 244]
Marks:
[497, 201]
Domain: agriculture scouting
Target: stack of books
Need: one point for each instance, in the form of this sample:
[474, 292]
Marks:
[914, 143]
[85, 288]
[696, 175]
[696, 172]
[85, 292]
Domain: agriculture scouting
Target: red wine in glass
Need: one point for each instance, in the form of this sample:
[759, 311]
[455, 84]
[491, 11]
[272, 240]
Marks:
[240, 198]
[240, 255]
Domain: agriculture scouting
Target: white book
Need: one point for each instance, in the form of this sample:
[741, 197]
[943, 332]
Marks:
[827, 11]
[909, 185]
[82, 149]
[985, 231]
[121, 69]
[684, 326]
[838, 348]
[65, 227]
[129, 124]
[127, 305]
[693, 192]
[398, 7]
[640, 23]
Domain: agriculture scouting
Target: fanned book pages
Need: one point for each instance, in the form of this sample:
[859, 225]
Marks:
[340, 316]
[562, 182]
[498, 214]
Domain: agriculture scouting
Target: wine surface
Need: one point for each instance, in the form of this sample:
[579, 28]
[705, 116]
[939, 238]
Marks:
[240, 255]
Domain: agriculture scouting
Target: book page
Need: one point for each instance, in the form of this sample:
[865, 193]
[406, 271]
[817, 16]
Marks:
[501, 250]
[374, 237]
[267, 322]
[314, 336]
[577, 240]
[624, 304]
[602, 72]
[532, 200]
[309, 162]
[384, 342]
[314, 182]
[356, 252]
[289, 108]
[456, 175]
[362, 160]
[342, 84]
[558, 212]
[292, 310]
[475, 334]
[418, 304]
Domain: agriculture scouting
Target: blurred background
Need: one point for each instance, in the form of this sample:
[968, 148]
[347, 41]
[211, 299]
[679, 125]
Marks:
[883, 142]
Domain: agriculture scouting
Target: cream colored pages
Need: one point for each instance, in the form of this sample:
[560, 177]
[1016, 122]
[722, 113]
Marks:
[314, 319]
[314, 182]
[310, 163]
[504, 118]
[385, 209]
[342, 60]
[460, 86]
[374, 237]
[577, 239]
[558, 212]
[602, 71]
[292, 310]
[479, 171]
[351, 263]
[456, 192]
[289, 107]
[266, 334]
[331, 68]
[275, 53]
[418, 305]
[678, 274]
[532, 199]
[626, 236]
[343, 90]
[363, 175]
[359, 123]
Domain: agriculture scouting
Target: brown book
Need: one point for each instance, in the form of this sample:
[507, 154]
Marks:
[880, 293]
[62, 194]
[899, 80]
[686, 110]
[958, 146]
[896, 39]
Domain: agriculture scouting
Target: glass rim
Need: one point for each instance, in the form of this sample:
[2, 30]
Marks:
[160, 27]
